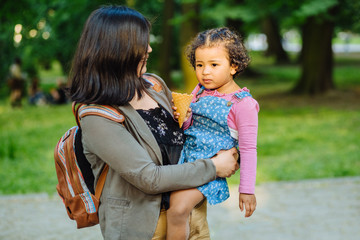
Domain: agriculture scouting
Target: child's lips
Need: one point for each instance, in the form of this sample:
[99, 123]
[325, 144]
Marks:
[207, 80]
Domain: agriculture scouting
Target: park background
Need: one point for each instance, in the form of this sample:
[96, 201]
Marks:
[304, 74]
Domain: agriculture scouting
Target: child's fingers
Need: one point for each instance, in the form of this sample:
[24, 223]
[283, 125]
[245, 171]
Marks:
[241, 204]
[188, 113]
[250, 208]
[176, 115]
[248, 211]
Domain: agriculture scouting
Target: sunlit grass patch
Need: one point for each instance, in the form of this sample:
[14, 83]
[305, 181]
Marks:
[28, 137]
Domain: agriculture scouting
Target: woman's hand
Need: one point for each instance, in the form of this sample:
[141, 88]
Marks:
[226, 162]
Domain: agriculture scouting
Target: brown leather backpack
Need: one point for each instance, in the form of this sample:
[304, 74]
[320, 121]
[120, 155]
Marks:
[75, 178]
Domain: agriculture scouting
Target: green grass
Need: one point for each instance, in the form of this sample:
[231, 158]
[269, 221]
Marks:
[308, 143]
[305, 143]
[299, 137]
[28, 137]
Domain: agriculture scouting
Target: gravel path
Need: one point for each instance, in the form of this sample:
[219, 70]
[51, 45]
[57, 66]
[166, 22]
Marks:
[327, 209]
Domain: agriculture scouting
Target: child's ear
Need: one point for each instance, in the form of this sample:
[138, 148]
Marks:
[233, 69]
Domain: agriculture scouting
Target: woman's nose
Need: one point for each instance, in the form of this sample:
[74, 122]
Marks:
[149, 50]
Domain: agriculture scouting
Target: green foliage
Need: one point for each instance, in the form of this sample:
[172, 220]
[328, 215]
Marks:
[312, 8]
[57, 23]
[245, 13]
[62, 21]
[349, 17]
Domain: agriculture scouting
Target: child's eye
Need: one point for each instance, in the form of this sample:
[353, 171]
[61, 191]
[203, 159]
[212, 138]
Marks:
[214, 64]
[198, 65]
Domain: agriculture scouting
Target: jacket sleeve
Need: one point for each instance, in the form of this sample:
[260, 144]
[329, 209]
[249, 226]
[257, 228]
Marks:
[113, 144]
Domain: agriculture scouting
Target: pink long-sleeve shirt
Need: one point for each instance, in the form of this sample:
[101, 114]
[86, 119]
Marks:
[243, 125]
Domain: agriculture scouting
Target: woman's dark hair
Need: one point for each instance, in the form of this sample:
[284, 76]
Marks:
[232, 42]
[105, 66]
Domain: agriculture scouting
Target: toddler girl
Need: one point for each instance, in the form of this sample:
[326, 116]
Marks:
[223, 116]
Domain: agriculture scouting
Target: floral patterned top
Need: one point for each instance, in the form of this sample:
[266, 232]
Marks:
[168, 135]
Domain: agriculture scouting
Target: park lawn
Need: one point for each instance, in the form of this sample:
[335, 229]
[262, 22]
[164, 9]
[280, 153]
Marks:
[28, 137]
[299, 137]
[307, 143]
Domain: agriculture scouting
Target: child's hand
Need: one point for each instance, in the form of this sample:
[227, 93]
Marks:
[176, 114]
[249, 200]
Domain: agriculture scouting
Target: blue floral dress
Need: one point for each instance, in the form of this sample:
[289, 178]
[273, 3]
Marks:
[208, 134]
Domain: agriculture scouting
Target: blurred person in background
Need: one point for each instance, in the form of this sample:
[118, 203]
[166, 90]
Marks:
[36, 95]
[58, 95]
[16, 83]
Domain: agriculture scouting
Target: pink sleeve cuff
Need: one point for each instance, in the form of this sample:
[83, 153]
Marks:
[187, 123]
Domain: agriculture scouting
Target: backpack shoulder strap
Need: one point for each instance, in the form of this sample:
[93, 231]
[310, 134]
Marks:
[154, 80]
[105, 111]
[101, 181]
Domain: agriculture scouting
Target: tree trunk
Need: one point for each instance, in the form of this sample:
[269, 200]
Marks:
[274, 40]
[188, 30]
[236, 25]
[317, 57]
[167, 43]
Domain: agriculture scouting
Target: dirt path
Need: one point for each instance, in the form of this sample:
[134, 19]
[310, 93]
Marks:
[327, 209]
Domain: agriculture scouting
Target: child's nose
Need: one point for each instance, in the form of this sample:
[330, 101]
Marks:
[206, 70]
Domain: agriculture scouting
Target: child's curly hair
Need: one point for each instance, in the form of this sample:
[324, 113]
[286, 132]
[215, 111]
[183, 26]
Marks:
[232, 42]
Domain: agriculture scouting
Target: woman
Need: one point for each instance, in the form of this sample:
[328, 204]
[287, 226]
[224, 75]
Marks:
[108, 69]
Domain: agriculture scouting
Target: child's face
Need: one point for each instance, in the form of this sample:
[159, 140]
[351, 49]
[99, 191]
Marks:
[213, 70]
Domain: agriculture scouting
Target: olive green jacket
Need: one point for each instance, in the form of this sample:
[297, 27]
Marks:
[130, 201]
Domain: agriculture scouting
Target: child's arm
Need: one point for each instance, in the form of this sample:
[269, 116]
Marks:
[244, 118]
